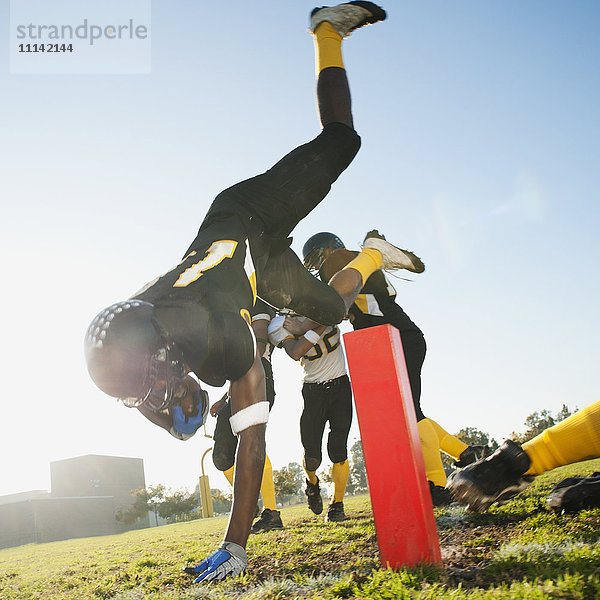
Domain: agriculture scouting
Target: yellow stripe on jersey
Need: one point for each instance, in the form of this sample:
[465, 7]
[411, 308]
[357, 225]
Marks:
[574, 439]
[368, 305]
[246, 316]
[216, 254]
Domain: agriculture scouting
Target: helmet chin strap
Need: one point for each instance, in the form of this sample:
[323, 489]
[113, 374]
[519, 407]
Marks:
[166, 359]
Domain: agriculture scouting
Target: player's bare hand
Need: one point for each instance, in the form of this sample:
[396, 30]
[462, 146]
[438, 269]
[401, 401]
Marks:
[218, 405]
[298, 326]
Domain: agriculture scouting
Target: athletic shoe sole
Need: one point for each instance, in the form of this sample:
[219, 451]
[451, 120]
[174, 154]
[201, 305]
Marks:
[347, 17]
[393, 257]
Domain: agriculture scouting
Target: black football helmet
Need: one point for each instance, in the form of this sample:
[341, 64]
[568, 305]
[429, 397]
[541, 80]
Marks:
[129, 356]
[315, 246]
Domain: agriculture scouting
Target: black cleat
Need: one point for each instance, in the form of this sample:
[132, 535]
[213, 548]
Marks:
[313, 493]
[269, 520]
[496, 478]
[440, 496]
[335, 512]
[575, 493]
[345, 18]
[470, 455]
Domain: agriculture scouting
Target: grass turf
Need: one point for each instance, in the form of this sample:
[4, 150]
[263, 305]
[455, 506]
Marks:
[519, 550]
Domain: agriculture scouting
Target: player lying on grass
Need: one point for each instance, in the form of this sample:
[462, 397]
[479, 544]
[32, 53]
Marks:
[512, 467]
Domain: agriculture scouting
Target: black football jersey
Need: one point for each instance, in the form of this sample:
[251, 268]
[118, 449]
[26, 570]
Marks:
[205, 302]
[376, 305]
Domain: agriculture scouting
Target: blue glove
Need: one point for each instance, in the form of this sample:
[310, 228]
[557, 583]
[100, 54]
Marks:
[228, 561]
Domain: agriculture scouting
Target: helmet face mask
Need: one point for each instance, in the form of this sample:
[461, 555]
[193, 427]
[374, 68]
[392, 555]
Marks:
[314, 260]
[163, 377]
[314, 249]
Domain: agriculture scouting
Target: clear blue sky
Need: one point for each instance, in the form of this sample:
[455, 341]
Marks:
[480, 127]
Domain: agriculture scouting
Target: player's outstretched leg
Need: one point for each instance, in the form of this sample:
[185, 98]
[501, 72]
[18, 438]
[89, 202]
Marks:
[347, 17]
[329, 25]
[574, 439]
[376, 253]
[462, 454]
[512, 467]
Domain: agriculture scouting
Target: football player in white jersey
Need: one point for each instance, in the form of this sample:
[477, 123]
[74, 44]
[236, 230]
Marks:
[327, 398]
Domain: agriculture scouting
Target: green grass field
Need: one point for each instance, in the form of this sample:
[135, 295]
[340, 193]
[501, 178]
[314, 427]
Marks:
[519, 550]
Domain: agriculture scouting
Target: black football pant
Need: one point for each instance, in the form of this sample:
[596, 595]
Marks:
[414, 346]
[273, 203]
[326, 402]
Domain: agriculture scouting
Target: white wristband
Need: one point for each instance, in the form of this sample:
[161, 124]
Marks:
[255, 414]
[312, 336]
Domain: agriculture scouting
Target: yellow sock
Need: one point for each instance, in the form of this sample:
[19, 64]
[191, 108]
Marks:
[311, 476]
[267, 487]
[574, 439]
[431, 453]
[328, 45]
[229, 474]
[339, 475]
[366, 263]
[448, 443]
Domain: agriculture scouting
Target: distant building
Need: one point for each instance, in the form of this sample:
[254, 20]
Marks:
[87, 491]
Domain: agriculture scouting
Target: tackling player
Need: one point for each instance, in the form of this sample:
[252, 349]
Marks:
[512, 467]
[376, 304]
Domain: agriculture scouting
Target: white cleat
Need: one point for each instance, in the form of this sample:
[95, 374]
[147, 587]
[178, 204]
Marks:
[393, 257]
[347, 17]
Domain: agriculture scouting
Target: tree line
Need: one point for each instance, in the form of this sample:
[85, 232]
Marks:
[182, 505]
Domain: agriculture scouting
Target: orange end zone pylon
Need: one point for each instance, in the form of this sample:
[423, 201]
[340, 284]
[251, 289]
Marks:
[402, 507]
